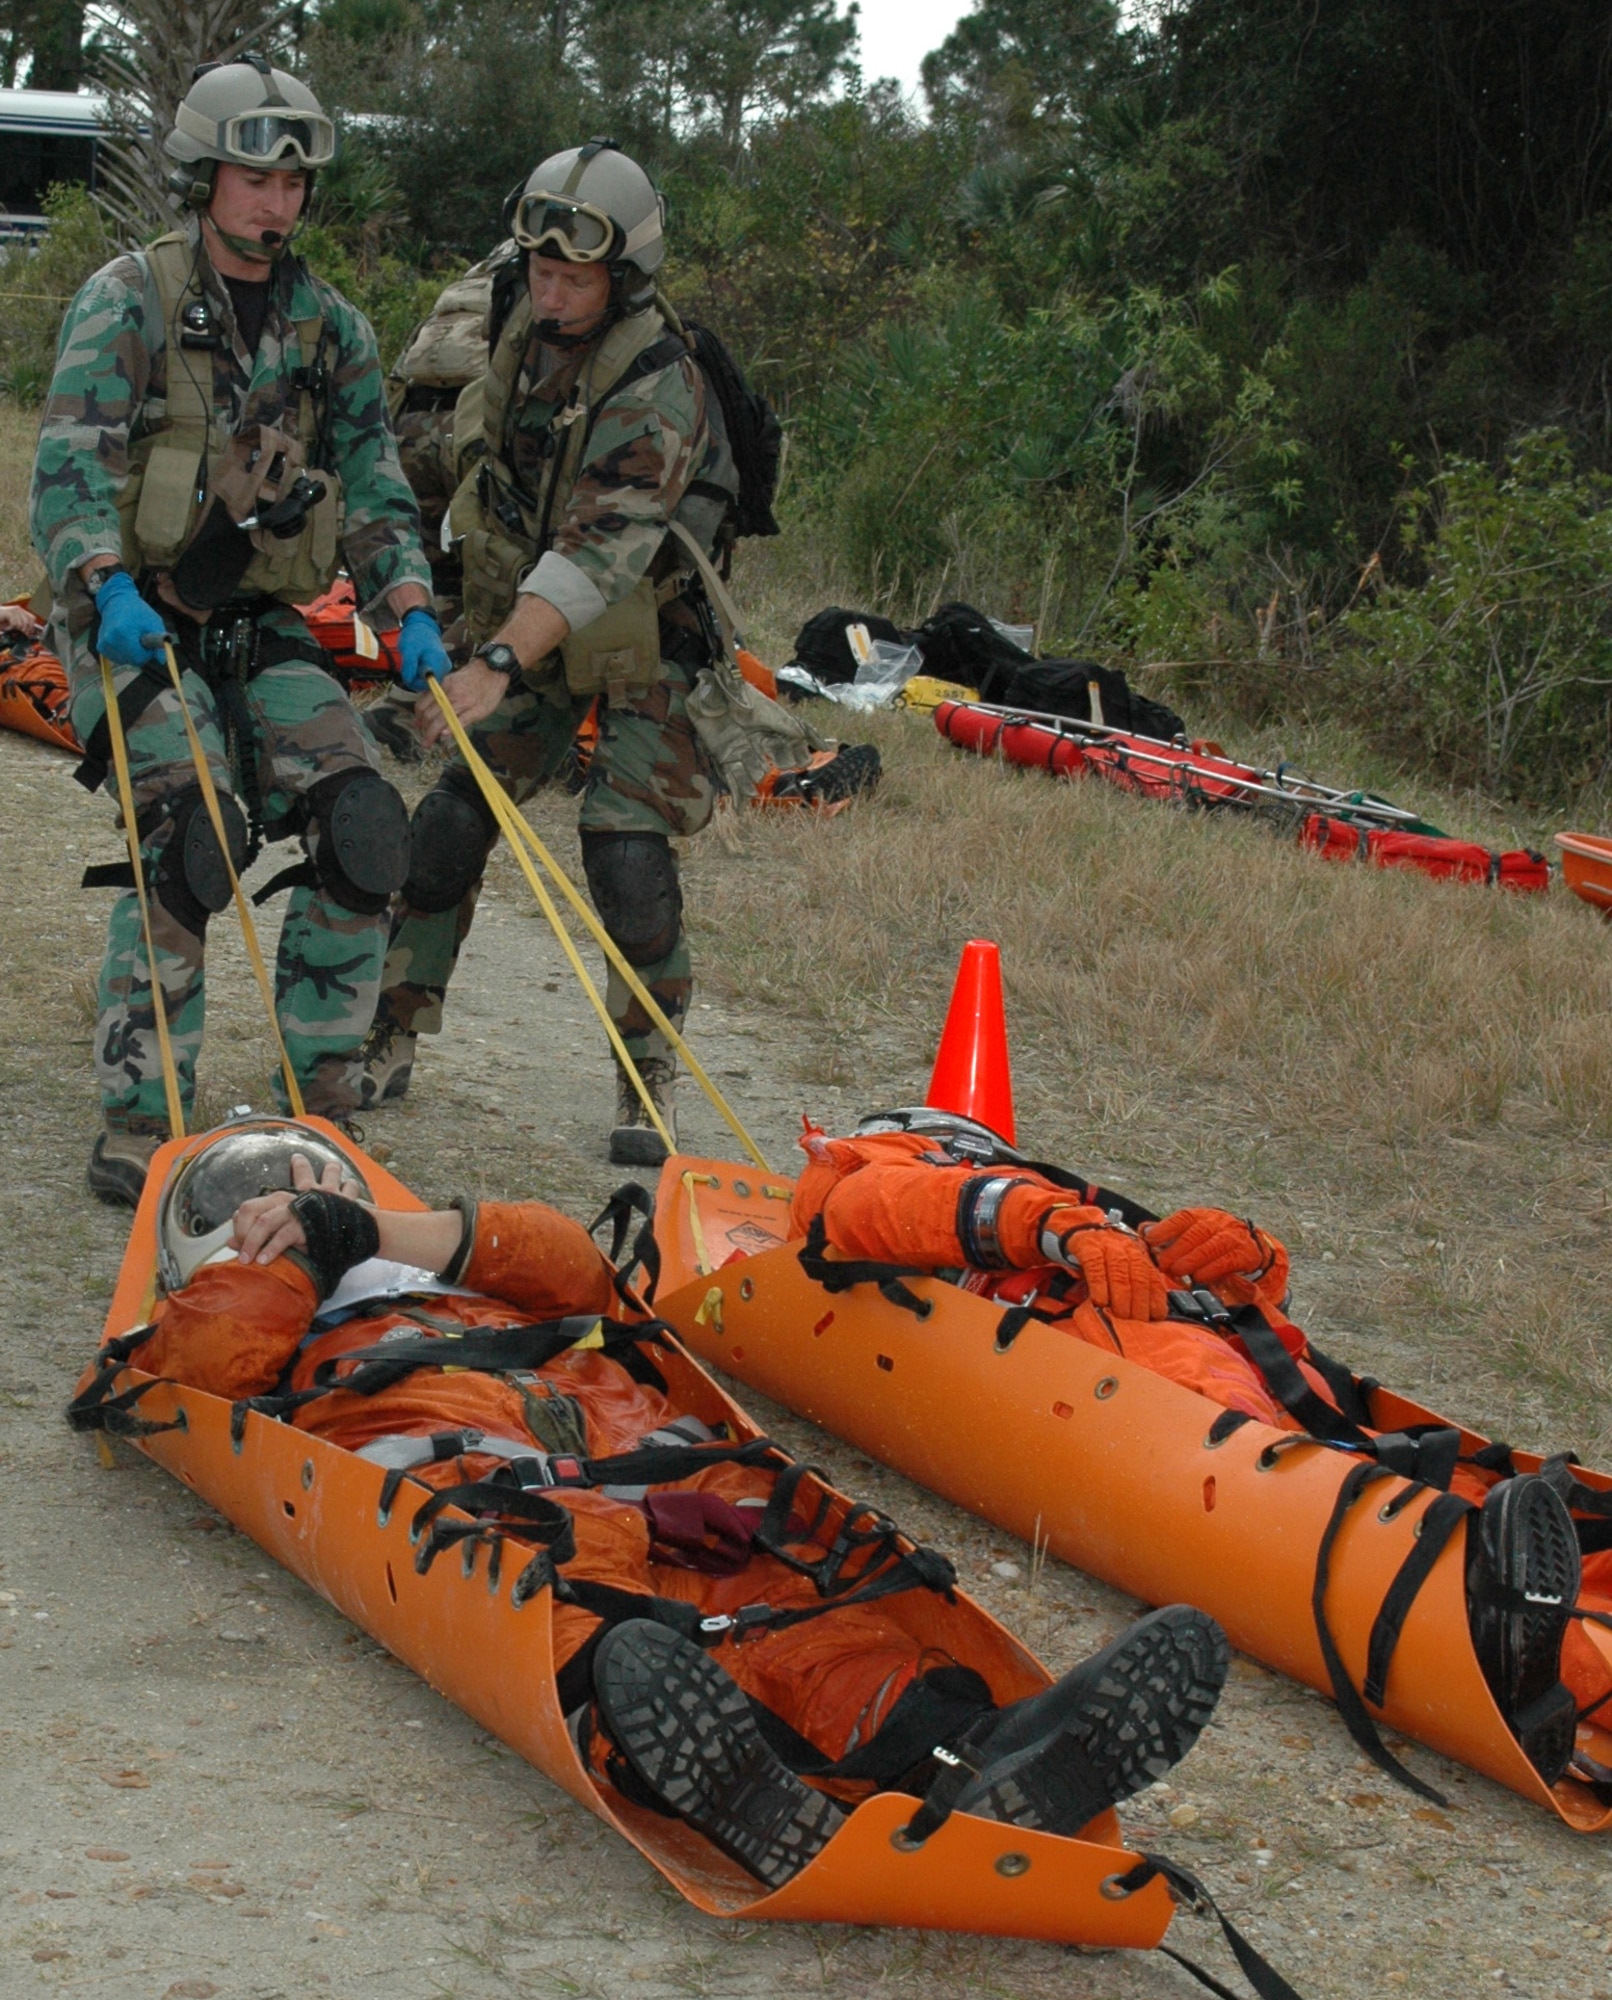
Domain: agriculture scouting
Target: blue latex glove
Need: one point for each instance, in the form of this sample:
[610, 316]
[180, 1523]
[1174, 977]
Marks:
[420, 650]
[131, 633]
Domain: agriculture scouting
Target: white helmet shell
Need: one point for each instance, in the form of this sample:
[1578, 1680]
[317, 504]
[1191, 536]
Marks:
[966, 1137]
[196, 1211]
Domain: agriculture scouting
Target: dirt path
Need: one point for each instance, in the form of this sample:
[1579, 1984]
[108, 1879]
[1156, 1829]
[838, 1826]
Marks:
[214, 1785]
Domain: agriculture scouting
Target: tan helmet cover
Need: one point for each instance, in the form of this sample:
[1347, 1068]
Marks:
[252, 116]
[600, 180]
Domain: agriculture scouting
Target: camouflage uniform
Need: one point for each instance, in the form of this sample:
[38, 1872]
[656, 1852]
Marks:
[648, 775]
[271, 720]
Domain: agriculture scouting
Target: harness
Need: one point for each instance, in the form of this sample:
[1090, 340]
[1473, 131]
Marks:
[185, 438]
[1424, 1456]
[506, 524]
[184, 443]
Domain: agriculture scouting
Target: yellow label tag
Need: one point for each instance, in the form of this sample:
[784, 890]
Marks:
[365, 643]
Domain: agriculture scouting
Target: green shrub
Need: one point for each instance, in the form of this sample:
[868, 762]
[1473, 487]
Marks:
[36, 283]
[1499, 663]
[392, 295]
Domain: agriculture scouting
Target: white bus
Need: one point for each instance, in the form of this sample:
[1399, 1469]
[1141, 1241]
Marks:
[45, 136]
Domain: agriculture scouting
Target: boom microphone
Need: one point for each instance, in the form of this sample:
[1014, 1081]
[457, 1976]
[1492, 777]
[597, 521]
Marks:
[271, 239]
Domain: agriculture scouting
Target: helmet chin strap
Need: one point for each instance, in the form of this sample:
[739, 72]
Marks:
[552, 332]
[266, 248]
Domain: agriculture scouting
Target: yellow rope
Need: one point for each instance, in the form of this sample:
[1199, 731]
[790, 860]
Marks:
[518, 831]
[507, 817]
[159, 999]
[204, 778]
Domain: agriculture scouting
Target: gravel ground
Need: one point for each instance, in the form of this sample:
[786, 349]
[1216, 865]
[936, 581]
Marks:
[215, 1786]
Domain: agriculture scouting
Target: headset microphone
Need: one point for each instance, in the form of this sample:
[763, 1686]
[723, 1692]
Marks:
[272, 238]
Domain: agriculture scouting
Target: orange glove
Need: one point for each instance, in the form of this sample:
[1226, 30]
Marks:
[1206, 1246]
[1119, 1273]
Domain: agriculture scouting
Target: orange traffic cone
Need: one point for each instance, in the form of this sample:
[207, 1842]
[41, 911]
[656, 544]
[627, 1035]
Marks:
[972, 1076]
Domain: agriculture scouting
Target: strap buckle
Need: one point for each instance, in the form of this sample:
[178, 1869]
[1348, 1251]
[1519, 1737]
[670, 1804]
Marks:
[564, 1469]
[748, 1618]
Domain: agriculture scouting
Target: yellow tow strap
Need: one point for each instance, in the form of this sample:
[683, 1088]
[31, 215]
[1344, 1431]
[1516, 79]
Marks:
[159, 999]
[521, 837]
[204, 778]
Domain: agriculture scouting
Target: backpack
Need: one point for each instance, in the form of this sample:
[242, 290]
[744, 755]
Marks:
[824, 650]
[1064, 687]
[961, 644]
[754, 435]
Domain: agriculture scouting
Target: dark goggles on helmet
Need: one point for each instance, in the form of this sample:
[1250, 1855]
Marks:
[276, 138]
[571, 229]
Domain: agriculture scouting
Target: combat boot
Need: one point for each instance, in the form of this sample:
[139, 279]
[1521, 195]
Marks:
[388, 1058]
[635, 1142]
[121, 1155]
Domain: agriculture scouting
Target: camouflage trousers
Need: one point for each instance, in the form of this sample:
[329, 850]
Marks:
[648, 776]
[299, 727]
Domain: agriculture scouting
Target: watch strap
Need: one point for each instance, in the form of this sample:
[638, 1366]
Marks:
[502, 659]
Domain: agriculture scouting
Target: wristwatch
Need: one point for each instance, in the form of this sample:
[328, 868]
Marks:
[502, 659]
[99, 575]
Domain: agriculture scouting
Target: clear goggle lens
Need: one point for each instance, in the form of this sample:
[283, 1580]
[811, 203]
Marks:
[269, 136]
[567, 229]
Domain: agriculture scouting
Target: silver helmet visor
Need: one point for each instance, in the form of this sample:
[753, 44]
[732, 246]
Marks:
[275, 138]
[570, 229]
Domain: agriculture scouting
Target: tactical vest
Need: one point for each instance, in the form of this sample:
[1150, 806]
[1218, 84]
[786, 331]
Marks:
[506, 529]
[184, 445]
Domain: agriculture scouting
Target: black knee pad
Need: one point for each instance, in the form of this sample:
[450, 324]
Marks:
[190, 879]
[453, 834]
[358, 834]
[633, 877]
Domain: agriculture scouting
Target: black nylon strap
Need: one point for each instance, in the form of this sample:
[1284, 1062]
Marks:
[1438, 1524]
[628, 1200]
[1429, 1454]
[134, 698]
[1351, 1393]
[110, 1360]
[1285, 1382]
[539, 1520]
[840, 1274]
[113, 1414]
[276, 1408]
[1353, 1710]
[662, 1464]
[959, 1767]
[1185, 1887]
[1593, 1500]
[299, 875]
[488, 1350]
[1092, 1195]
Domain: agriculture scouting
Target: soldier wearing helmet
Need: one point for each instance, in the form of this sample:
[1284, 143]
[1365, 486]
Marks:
[596, 461]
[214, 447]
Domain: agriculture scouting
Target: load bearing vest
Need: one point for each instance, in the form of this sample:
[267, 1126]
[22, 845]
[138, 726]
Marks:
[185, 442]
[504, 529]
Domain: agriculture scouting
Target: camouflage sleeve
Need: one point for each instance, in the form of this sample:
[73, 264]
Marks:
[645, 448]
[381, 539]
[103, 366]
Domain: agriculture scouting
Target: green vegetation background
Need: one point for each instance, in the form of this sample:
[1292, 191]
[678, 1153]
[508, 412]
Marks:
[1265, 350]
